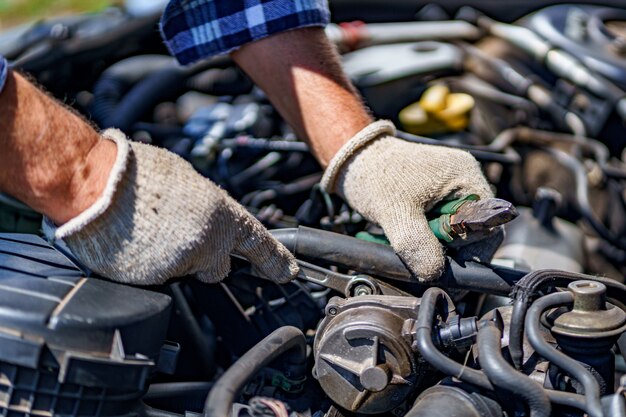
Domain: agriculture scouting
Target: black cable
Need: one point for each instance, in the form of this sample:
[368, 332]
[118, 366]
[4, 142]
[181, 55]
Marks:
[593, 405]
[503, 375]
[286, 340]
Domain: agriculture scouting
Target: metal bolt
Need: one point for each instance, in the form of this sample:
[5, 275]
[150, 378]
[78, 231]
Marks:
[588, 295]
[362, 290]
[332, 311]
[374, 378]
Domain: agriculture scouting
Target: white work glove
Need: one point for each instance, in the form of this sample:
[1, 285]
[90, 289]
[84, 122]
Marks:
[158, 218]
[393, 183]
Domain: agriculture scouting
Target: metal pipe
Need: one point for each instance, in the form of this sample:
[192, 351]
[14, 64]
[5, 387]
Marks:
[350, 36]
[582, 197]
[482, 153]
[558, 61]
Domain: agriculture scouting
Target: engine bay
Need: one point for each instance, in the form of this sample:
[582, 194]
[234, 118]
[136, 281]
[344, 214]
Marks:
[539, 101]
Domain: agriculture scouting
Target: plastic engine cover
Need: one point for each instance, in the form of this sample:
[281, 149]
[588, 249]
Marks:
[71, 345]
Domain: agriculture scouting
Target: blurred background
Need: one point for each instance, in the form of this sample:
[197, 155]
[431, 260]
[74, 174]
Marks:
[14, 12]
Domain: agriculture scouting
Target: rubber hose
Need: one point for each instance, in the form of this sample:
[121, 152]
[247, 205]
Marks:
[502, 375]
[161, 81]
[178, 396]
[557, 358]
[446, 365]
[158, 86]
[205, 346]
[155, 412]
[382, 261]
[173, 389]
[285, 340]
[118, 78]
[527, 288]
[429, 351]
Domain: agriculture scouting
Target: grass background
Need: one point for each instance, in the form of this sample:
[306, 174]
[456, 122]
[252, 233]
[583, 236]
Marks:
[14, 12]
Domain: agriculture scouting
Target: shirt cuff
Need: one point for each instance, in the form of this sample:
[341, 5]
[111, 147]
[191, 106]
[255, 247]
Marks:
[194, 30]
[4, 71]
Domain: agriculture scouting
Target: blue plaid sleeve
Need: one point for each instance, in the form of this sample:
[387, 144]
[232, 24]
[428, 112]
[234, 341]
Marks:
[197, 29]
[4, 69]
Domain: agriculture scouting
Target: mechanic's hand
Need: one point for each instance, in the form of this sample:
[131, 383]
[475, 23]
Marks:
[158, 218]
[394, 183]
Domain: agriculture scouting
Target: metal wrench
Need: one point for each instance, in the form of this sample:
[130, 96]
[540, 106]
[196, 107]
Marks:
[347, 285]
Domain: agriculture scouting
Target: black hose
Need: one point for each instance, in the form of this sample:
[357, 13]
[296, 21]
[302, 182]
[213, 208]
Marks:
[428, 350]
[115, 82]
[178, 396]
[516, 332]
[382, 261]
[285, 340]
[577, 371]
[148, 411]
[175, 389]
[615, 405]
[131, 88]
[344, 251]
[204, 346]
[568, 399]
[502, 375]
[527, 289]
[158, 86]
[446, 365]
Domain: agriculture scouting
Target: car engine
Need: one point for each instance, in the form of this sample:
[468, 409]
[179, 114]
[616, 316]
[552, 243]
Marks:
[535, 92]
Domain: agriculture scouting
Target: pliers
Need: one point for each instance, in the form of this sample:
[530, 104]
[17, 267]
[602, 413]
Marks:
[469, 219]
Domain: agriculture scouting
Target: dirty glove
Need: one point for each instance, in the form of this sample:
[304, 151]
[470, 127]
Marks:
[158, 218]
[393, 183]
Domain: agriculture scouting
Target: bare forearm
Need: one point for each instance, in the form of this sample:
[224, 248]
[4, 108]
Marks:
[302, 76]
[51, 159]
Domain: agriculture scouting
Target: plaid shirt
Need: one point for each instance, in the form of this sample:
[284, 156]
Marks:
[3, 72]
[197, 29]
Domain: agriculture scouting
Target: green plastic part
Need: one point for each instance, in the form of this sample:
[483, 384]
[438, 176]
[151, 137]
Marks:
[288, 385]
[439, 221]
[440, 217]
[375, 238]
[441, 228]
[451, 207]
